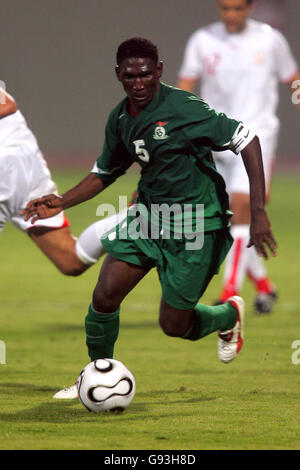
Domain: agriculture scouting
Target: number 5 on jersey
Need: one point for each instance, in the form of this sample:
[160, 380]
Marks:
[141, 152]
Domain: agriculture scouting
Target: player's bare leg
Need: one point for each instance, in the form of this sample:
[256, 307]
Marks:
[235, 264]
[203, 320]
[196, 323]
[58, 245]
[173, 321]
[117, 278]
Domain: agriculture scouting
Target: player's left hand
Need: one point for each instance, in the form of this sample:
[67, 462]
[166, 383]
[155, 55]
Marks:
[261, 236]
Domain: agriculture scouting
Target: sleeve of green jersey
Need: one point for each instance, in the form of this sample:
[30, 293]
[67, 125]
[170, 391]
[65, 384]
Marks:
[114, 159]
[205, 127]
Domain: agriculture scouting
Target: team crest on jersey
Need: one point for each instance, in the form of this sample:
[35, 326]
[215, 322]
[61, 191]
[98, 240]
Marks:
[160, 132]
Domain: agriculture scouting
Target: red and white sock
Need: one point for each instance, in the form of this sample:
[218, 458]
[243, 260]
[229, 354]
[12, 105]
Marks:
[256, 271]
[235, 264]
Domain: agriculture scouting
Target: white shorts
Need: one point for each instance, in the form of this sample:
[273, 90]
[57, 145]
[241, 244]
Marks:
[232, 168]
[24, 175]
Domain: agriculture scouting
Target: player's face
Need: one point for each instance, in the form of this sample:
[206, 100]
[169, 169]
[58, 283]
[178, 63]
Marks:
[234, 14]
[140, 79]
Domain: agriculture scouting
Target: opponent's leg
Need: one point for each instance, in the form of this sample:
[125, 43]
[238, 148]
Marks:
[70, 255]
[235, 264]
[257, 273]
[58, 245]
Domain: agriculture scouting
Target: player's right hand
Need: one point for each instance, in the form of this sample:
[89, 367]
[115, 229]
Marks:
[42, 208]
[261, 236]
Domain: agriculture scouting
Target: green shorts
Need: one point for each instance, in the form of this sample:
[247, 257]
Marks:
[184, 274]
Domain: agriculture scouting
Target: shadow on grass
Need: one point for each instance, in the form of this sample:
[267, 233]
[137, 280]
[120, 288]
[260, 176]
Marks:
[71, 411]
[56, 412]
[24, 389]
[64, 413]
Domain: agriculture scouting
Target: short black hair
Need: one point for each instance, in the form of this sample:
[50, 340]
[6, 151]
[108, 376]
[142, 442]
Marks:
[137, 47]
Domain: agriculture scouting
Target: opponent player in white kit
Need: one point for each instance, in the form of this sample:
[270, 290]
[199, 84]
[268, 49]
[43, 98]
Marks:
[240, 62]
[24, 175]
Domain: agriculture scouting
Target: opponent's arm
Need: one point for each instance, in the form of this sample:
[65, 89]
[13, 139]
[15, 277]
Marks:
[50, 205]
[187, 84]
[260, 228]
[7, 104]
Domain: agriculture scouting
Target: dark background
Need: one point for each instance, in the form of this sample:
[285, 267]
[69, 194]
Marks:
[58, 58]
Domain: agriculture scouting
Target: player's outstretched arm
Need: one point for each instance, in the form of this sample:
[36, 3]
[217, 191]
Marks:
[51, 204]
[7, 104]
[186, 84]
[261, 235]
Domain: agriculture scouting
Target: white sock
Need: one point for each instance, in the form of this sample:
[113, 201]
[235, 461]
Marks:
[88, 246]
[235, 264]
[255, 266]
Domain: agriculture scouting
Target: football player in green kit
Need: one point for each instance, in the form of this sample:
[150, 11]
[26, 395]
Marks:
[170, 133]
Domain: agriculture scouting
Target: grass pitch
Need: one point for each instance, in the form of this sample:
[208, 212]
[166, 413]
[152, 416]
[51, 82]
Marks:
[185, 398]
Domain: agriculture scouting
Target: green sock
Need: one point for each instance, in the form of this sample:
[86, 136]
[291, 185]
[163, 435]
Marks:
[101, 333]
[208, 319]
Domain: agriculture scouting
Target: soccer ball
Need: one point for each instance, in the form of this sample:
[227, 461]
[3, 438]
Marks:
[105, 384]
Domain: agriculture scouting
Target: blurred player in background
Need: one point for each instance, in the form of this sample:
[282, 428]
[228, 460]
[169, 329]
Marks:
[24, 175]
[240, 62]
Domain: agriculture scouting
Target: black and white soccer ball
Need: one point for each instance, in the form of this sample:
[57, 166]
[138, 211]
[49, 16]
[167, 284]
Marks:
[105, 384]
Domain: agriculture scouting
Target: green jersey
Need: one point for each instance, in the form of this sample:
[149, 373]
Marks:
[171, 139]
